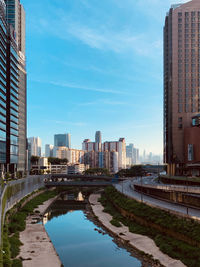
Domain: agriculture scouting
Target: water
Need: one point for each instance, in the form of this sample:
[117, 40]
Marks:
[79, 244]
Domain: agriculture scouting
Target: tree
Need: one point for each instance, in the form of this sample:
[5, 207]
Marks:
[134, 171]
[34, 160]
[57, 161]
[97, 171]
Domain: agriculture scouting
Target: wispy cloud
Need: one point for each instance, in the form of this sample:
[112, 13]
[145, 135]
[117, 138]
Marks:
[109, 102]
[73, 123]
[99, 35]
[81, 87]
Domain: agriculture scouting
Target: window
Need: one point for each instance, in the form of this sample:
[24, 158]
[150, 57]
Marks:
[190, 152]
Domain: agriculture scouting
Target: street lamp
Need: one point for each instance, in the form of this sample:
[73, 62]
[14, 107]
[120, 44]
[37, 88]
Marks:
[187, 196]
[141, 189]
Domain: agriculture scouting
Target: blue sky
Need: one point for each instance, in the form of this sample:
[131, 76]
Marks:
[96, 65]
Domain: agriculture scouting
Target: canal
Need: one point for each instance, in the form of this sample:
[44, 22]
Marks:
[78, 241]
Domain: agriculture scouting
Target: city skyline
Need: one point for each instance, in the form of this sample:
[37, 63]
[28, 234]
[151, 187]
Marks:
[102, 72]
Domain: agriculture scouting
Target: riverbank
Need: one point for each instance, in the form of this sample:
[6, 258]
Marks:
[37, 249]
[140, 242]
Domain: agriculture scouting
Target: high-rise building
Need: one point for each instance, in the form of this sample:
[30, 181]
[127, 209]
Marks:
[98, 137]
[117, 146]
[49, 150]
[62, 140]
[35, 146]
[72, 155]
[181, 79]
[12, 87]
[110, 155]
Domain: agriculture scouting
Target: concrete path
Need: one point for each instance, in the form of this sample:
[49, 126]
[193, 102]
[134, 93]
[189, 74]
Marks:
[139, 242]
[126, 189]
[38, 249]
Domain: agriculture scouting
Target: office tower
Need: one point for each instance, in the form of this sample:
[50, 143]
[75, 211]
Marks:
[98, 137]
[49, 150]
[12, 104]
[62, 140]
[35, 146]
[181, 79]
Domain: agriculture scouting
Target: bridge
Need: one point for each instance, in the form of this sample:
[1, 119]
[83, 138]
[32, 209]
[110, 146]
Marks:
[81, 177]
[63, 180]
[49, 184]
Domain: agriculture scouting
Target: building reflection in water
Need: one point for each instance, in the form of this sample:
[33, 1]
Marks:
[67, 198]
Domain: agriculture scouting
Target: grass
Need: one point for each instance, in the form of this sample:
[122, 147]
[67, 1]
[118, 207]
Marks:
[115, 223]
[180, 178]
[188, 254]
[187, 227]
[15, 244]
[17, 223]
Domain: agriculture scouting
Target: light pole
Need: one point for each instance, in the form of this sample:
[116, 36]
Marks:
[141, 189]
[187, 195]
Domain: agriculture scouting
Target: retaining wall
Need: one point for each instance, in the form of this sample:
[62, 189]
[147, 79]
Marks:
[16, 190]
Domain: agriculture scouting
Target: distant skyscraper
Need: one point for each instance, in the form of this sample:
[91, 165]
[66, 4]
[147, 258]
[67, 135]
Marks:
[49, 150]
[35, 144]
[62, 140]
[98, 137]
[181, 79]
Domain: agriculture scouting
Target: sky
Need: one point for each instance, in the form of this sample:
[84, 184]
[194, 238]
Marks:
[96, 65]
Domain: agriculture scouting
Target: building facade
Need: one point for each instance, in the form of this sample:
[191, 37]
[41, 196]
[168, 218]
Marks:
[35, 144]
[49, 150]
[62, 140]
[117, 146]
[181, 79]
[109, 155]
[98, 137]
[13, 152]
[72, 155]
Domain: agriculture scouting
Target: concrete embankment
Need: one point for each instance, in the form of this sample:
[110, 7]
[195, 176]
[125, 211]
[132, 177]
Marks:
[37, 249]
[140, 242]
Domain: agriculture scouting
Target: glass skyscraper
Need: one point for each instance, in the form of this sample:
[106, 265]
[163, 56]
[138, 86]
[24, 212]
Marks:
[62, 140]
[12, 87]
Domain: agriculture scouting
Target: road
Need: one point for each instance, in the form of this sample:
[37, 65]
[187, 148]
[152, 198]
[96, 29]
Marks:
[125, 188]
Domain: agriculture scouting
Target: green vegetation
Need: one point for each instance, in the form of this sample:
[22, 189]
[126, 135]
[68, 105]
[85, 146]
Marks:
[34, 160]
[188, 254]
[57, 161]
[115, 223]
[15, 222]
[136, 170]
[16, 263]
[97, 171]
[180, 179]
